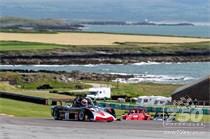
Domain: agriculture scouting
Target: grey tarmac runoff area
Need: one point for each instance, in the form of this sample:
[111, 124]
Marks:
[30, 128]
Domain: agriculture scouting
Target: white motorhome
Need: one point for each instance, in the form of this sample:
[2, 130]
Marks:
[153, 100]
[99, 92]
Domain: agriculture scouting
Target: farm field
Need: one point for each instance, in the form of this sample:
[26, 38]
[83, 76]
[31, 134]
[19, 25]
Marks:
[19, 47]
[93, 38]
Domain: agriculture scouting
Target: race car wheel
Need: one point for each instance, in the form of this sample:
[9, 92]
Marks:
[88, 115]
[81, 116]
[56, 115]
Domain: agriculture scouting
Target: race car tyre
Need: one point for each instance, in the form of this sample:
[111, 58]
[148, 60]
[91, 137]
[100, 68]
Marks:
[81, 116]
[56, 115]
[88, 115]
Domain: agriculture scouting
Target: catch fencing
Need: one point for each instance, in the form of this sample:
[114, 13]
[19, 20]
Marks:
[154, 109]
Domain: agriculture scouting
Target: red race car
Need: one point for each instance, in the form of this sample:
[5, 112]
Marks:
[136, 114]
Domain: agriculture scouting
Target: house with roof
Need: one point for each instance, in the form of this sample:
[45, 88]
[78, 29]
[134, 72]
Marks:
[198, 90]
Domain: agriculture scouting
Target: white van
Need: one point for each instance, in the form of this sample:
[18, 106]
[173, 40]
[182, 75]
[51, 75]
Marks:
[99, 93]
[153, 100]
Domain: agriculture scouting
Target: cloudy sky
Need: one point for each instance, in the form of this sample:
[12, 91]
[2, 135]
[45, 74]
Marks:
[120, 10]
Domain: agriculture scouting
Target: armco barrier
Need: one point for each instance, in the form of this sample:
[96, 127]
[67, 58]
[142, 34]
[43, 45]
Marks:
[32, 99]
[148, 109]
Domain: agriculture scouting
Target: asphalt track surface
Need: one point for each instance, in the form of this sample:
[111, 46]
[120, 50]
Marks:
[30, 128]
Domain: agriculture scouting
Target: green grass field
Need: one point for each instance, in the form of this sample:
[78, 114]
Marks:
[16, 46]
[26, 46]
[139, 89]
[131, 90]
[27, 84]
[71, 85]
[144, 89]
[38, 93]
[23, 109]
[32, 81]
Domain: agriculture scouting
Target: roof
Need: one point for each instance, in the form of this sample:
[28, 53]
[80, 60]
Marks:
[191, 84]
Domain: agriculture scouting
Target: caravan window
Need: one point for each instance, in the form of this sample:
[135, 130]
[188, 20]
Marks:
[139, 100]
[161, 102]
[92, 93]
[145, 100]
[156, 102]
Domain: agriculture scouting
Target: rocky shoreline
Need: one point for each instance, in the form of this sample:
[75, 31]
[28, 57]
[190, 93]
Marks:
[103, 58]
[29, 75]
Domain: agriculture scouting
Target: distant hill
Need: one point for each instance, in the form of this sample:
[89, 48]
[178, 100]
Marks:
[133, 23]
[17, 24]
[38, 24]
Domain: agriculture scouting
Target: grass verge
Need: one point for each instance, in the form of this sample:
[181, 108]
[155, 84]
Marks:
[139, 89]
[4, 86]
[23, 109]
[144, 89]
[37, 48]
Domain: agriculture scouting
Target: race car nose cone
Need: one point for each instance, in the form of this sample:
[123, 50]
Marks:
[108, 119]
[101, 113]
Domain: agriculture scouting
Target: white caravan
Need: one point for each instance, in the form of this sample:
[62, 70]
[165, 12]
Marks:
[99, 93]
[153, 100]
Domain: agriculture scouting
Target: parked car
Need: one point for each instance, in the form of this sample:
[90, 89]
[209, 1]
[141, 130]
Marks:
[83, 109]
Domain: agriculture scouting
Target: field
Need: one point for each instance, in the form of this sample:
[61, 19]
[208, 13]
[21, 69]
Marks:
[23, 109]
[93, 38]
[144, 89]
[38, 93]
[37, 48]
[27, 84]
[13, 45]
[131, 90]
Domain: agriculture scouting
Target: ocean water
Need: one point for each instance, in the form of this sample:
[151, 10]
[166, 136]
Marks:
[193, 31]
[144, 72]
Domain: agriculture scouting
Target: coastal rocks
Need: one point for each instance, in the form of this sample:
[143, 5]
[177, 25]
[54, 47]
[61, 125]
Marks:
[114, 58]
[33, 76]
[96, 76]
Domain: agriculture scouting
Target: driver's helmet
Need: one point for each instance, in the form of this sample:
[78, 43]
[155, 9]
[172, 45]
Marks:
[84, 102]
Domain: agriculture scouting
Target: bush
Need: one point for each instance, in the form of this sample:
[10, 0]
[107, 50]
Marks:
[79, 86]
[44, 86]
[54, 91]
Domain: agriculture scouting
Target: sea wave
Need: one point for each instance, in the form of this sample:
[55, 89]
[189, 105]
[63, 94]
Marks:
[11, 66]
[154, 78]
[146, 63]
[48, 65]
[89, 65]
[72, 65]
[150, 63]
